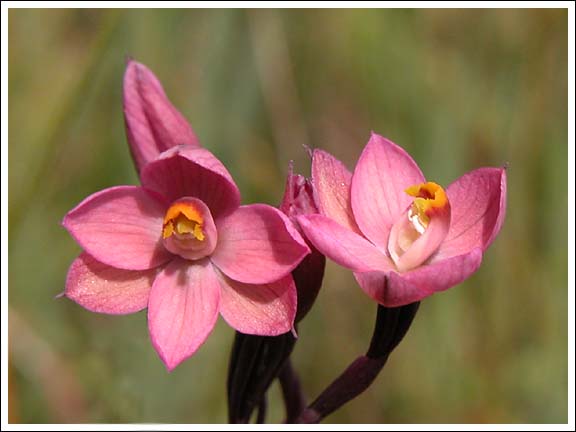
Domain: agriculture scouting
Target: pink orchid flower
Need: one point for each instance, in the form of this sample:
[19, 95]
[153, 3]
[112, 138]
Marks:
[403, 237]
[181, 245]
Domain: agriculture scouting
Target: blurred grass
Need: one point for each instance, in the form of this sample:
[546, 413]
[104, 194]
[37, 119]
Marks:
[457, 88]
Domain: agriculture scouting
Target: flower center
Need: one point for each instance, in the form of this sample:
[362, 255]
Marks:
[421, 229]
[429, 199]
[189, 229]
[183, 220]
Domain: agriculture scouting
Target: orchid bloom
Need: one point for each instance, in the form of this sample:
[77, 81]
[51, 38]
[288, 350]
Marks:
[180, 244]
[404, 238]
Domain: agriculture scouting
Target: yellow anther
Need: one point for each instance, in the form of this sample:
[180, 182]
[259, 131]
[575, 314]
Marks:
[183, 219]
[168, 230]
[429, 198]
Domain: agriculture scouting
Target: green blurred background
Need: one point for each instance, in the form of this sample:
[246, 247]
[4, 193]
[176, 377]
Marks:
[458, 89]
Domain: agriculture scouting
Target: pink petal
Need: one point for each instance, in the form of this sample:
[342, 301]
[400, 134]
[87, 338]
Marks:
[186, 171]
[478, 201]
[152, 123]
[257, 244]
[424, 246]
[121, 227]
[393, 289]
[104, 289]
[331, 181]
[342, 245]
[382, 174]
[265, 310]
[373, 283]
[183, 309]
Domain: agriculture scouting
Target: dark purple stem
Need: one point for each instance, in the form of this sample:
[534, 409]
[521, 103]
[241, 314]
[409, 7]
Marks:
[262, 407]
[254, 363]
[354, 381]
[294, 399]
[390, 327]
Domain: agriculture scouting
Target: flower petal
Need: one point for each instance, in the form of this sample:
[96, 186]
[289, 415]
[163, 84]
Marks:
[373, 283]
[152, 123]
[382, 174]
[185, 171]
[104, 289]
[258, 244]
[121, 227]
[424, 246]
[393, 289]
[183, 309]
[331, 181]
[478, 201]
[264, 310]
[342, 245]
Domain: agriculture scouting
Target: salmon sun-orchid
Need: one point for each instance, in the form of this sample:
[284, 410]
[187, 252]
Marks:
[181, 245]
[404, 238]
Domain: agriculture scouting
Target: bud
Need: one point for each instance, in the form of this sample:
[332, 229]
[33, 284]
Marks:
[299, 200]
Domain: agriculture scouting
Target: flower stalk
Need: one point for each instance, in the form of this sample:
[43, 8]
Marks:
[294, 399]
[254, 363]
[389, 330]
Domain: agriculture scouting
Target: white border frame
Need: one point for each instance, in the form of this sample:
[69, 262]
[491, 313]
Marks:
[280, 4]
